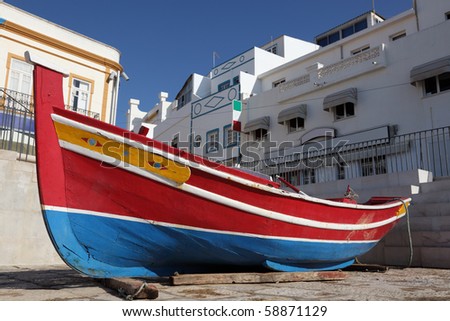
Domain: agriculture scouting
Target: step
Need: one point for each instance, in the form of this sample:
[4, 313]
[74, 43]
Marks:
[419, 239]
[439, 196]
[438, 185]
[428, 257]
[418, 209]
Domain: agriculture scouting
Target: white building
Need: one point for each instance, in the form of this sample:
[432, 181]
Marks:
[364, 80]
[367, 105]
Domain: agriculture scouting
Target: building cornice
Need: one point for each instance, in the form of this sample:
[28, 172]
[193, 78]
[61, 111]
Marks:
[60, 45]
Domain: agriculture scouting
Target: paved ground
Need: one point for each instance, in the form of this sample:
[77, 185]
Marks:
[62, 284]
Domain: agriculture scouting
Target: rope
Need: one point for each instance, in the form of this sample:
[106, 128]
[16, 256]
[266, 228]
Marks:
[130, 297]
[408, 225]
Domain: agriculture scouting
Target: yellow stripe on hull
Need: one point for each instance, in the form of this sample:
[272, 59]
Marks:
[153, 163]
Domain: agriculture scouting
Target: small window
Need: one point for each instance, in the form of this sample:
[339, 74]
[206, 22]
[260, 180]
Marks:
[272, 49]
[295, 124]
[344, 111]
[308, 176]
[340, 171]
[212, 141]
[444, 81]
[80, 95]
[175, 141]
[260, 134]
[360, 25]
[334, 37]
[197, 141]
[430, 86]
[361, 49]
[437, 84]
[398, 35]
[230, 136]
[278, 82]
[20, 77]
[348, 31]
[322, 41]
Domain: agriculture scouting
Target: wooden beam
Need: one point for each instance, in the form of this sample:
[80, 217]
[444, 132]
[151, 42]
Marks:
[244, 278]
[132, 289]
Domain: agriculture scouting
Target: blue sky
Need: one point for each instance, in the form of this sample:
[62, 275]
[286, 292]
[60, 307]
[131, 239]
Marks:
[162, 42]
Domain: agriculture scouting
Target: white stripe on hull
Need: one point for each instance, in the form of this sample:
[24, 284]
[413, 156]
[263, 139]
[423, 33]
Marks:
[192, 228]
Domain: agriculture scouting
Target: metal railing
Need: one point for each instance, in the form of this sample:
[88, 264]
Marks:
[17, 123]
[428, 150]
[83, 111]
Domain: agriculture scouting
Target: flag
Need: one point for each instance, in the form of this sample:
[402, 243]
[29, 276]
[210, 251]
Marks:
[237, 109]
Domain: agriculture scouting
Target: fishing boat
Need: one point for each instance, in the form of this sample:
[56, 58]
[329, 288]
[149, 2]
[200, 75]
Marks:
[119, 204]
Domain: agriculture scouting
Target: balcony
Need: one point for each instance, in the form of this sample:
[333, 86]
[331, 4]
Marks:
[319, 76]
[83, 112]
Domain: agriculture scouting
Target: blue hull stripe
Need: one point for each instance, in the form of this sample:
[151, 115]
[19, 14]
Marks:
[109, 247]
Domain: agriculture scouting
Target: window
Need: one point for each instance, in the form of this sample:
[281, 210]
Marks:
[359, 50]
[175, 141]
[212, 141]
[278, 82]
[322, 41]
[272, 49]
[224, 85]
[398, 35]
[259, 134]
[230, 136]
[20, 77]
[197, 141]
[184, 99]
[360, 25]
[437, 84]
[308, 176]
[295, 124]
[334, 37]
[340, 171]
[80, 94]
[344, 111]
[373, 165]
[348, 31]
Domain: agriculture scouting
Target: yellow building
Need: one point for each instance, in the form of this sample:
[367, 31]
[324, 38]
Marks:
[93, 67]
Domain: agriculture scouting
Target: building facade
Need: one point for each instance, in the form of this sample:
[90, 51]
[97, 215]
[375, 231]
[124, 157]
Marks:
[368, 81]
[93, 67]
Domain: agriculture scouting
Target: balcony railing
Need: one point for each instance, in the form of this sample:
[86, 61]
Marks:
[428, 150]
[84, 112]
[17, 122]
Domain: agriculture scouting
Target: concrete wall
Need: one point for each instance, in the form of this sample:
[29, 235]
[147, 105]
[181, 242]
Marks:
[23, 236]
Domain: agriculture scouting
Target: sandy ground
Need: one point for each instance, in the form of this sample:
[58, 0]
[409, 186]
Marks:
[62, 284]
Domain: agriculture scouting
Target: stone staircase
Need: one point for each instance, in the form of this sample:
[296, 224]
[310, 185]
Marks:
[430, 231]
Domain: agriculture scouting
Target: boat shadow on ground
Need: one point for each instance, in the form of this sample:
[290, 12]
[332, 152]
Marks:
[56, 279]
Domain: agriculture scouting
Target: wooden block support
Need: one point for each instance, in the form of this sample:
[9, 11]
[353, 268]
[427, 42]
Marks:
[132, 289]
[243, 278]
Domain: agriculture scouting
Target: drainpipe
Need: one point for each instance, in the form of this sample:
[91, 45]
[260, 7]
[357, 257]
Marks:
[415, 12]
[115, 93]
